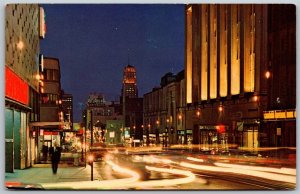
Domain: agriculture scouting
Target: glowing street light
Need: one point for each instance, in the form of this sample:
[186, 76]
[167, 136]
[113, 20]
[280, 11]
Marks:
[179, 116]
[198, 113]
[255, 98]
[220, 108]
[268, 74]
[20, 45]
[38, 77]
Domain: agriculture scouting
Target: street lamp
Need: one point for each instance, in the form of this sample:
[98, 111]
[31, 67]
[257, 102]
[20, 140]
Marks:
[198, 113]
[20, 45]
[180, 117]
[148, 131]
[91, 162]
[268, 74]
[166, 136]
[220, 108]
[92, 129]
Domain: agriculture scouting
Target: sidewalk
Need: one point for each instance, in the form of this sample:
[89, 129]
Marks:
[42, 173]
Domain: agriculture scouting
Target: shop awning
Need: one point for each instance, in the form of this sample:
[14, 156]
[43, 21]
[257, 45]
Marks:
[43, 124]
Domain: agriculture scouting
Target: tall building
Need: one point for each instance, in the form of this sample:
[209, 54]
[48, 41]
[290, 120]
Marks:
[24, 27]
[67, 108]
[164, 112]
[132, 105]
[51, 114]
[240, 74]
[129, 88]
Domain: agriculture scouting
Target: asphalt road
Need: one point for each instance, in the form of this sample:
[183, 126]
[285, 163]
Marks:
[210, 173]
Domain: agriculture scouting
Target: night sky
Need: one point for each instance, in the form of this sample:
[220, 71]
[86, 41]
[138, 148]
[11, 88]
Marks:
[93, 44]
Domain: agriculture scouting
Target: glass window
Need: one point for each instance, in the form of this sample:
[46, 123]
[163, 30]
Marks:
[55, 75]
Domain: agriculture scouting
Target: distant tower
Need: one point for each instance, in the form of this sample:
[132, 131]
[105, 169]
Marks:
[129, 87]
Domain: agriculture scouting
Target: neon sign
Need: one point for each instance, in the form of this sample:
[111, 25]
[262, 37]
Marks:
[15, 87]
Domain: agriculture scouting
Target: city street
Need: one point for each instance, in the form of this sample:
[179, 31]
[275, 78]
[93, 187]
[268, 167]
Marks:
[176, 169]
[150, 96]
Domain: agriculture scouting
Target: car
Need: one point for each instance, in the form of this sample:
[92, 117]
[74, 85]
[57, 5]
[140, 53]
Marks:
[97, 152]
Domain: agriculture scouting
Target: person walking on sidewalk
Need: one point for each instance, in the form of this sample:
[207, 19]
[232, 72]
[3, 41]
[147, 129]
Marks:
[55, 158]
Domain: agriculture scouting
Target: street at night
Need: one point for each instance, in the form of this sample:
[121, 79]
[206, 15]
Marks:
[191, 169]
[150, 97]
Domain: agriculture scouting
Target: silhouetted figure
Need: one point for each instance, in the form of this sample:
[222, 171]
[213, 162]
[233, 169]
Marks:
[51, 150]
[55, 159]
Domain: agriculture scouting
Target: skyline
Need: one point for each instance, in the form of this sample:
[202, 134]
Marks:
[108, 37]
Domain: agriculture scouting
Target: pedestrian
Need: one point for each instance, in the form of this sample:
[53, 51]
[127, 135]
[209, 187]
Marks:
[51, 150]
[55, 158]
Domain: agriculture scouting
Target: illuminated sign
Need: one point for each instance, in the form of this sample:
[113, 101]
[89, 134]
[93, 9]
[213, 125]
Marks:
[42, 23]
[112, 134]
[278, 130]
[127, 134]
[15, 87]
[269, 115]
[290, 114]
[180, 132]
[50, 133]
[41, 57]
[279, 114]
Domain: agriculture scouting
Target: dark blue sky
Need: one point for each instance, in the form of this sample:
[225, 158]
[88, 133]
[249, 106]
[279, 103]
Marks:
[93, 43]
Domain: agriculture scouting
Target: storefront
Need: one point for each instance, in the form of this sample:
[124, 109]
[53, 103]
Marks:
[180, 136]
[279, 128]
[17, 144]
[17, 148]
[247, 133]
[152, 139]
[189, 136]
[211, 136]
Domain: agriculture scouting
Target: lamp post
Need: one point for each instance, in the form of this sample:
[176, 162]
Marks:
[157, 132]
[148, 131]
[91, 162]
[92, 130]
[167, 132]
[166, 136]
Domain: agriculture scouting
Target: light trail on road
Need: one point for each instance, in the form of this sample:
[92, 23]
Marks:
[105, 184]
[288, 171]
[266, 175]
[189, 177]
[132, 182]
[195, 159]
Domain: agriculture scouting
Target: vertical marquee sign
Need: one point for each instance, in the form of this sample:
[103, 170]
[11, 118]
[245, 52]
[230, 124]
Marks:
[42, 23]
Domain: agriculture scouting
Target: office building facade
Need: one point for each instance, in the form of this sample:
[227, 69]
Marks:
[235, 59]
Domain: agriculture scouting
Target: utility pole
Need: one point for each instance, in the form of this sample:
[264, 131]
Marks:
[124, 108]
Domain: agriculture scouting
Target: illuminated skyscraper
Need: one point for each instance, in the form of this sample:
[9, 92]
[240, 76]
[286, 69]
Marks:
[132, 105]
[129, 82]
